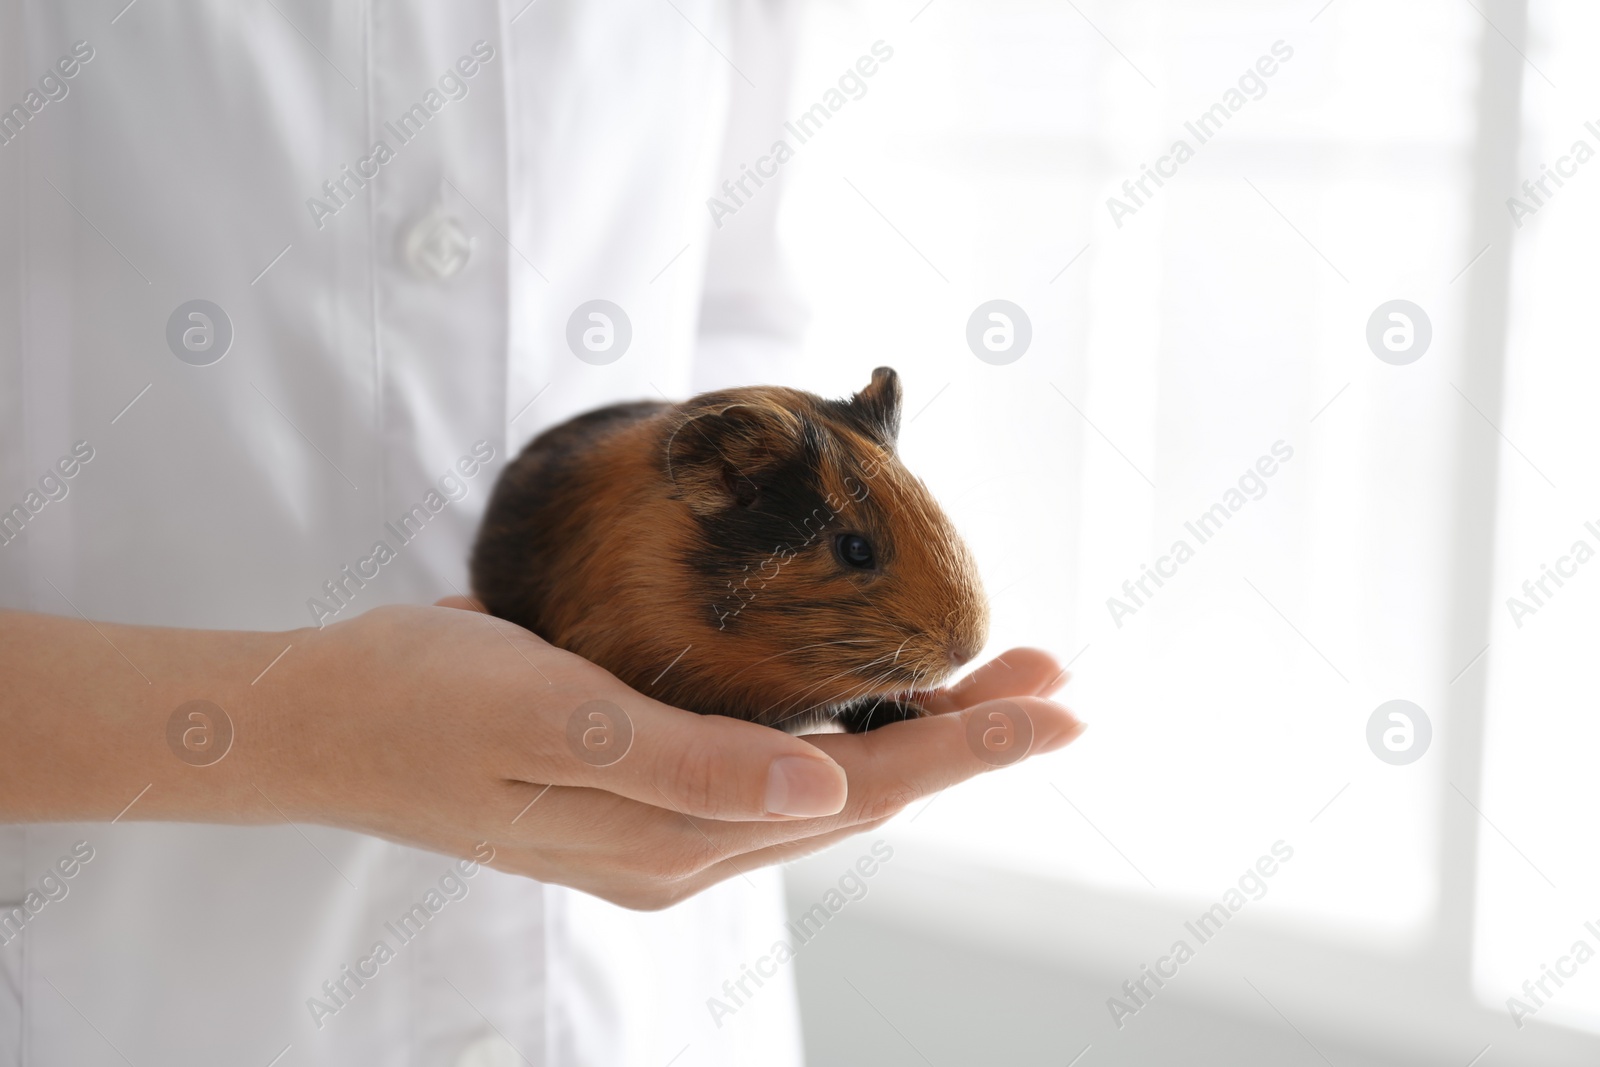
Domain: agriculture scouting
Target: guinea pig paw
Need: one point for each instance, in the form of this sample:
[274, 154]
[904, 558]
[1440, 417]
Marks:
[869, 713]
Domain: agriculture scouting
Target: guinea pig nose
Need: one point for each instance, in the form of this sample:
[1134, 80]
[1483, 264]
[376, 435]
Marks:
[959, 655]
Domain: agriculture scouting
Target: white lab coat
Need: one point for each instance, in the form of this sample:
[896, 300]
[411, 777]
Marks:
[375, 340]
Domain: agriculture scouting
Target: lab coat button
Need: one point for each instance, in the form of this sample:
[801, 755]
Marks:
[437, 246]
[490, 1051]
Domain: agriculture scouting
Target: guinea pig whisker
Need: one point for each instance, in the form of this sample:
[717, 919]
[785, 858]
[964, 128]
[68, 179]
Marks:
[797, 698]
[863, 687]
[817, 685]
[863, 690]
[848, 695]
[919, 679]
[797, 648]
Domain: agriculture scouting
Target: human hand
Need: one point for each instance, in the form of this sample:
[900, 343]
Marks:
[451, 730]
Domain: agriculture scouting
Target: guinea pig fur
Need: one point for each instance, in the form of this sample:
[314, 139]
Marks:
[760, 553]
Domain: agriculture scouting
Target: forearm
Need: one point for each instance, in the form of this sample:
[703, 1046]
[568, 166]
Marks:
[87, 721]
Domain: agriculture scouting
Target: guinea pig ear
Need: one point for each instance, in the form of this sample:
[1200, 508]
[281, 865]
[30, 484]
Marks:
[724, 456]
[878, 404]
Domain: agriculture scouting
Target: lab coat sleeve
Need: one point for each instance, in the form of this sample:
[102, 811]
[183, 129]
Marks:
[752, 317]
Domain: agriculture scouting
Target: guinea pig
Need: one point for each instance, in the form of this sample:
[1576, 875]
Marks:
[759, 553]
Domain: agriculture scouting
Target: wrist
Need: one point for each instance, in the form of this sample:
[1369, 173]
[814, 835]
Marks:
[105, 722]
[213, 720]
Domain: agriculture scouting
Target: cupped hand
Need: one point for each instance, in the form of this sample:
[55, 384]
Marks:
[445, 728]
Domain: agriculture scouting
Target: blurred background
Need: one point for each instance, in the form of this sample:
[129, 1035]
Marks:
[1218, 318]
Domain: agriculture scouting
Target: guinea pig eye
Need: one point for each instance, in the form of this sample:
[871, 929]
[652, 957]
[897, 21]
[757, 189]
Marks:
[855, 551]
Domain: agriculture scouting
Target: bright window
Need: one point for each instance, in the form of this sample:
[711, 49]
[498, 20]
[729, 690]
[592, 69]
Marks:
[1221, 321]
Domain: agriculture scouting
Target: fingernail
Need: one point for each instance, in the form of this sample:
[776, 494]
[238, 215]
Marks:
[1073, 730]
[809, 788]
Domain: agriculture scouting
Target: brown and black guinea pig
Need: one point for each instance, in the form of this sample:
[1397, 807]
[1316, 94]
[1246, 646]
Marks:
[760, 553]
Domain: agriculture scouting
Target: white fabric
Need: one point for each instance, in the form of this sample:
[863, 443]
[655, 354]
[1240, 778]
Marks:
[176, 167]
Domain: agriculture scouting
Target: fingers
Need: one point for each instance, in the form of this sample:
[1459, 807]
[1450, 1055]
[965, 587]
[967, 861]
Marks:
[1021, 672]
[783, 853]
[896, 764]
[886, 774]
[637, 855]
[646, 855]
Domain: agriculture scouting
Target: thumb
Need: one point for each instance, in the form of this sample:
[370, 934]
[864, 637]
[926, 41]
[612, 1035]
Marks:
[707, 766]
